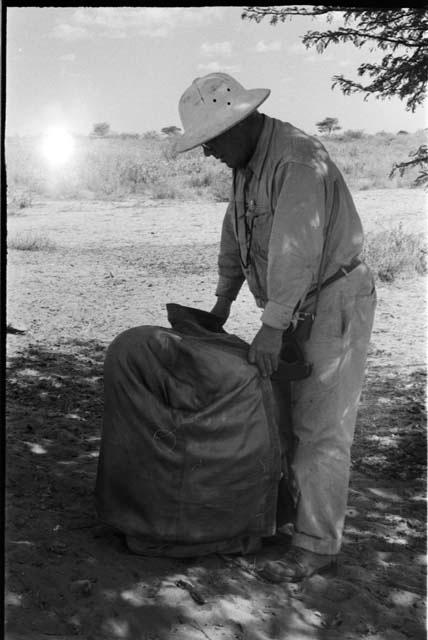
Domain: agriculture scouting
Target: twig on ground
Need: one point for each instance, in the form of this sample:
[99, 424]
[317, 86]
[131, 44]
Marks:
[194, 594]
[199, 628]
[240, 565]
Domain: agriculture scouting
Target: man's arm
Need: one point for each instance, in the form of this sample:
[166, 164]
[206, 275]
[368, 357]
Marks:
[295, 248]
[296, 242]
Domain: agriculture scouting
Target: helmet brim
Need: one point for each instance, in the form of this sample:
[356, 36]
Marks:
[238, 112]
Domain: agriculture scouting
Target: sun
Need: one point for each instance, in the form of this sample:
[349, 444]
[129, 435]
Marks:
[57, 146]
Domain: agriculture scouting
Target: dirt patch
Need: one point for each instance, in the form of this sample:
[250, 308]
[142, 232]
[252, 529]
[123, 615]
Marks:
[68, 576]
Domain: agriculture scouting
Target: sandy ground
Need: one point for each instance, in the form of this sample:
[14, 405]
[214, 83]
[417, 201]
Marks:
[114, 266]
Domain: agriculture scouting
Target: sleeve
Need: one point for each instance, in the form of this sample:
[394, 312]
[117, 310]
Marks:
[230, 273]
[296, 241]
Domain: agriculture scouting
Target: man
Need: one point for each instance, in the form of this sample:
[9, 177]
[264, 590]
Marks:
[290, 224]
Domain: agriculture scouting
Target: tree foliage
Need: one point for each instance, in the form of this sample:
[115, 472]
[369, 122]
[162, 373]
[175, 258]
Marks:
[328, 125]
[418, 158]
[401, 33]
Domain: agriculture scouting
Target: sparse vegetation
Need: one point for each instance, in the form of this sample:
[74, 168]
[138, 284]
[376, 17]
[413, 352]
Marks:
[125, 165]
[395, 253]
[366, 160]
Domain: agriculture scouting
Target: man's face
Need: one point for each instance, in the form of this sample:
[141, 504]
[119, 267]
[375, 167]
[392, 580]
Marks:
[232, 147]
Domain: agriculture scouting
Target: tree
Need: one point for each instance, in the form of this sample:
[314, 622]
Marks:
[171, 131]
[328, 125]
[101, 129]
[401, 33]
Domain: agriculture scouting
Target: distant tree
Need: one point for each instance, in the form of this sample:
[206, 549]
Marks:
[328, 125]
[101, 129]
[401, 33]
[171, 131]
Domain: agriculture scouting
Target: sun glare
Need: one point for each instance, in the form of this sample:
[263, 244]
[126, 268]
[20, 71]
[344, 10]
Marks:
[57, 146]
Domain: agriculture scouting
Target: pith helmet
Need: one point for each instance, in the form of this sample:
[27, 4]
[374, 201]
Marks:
[212, 105]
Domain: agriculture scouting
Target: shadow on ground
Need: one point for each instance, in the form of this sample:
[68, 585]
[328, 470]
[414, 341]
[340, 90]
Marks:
[68, 575]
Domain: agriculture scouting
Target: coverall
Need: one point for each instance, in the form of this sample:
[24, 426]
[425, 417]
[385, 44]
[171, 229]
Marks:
[273, 237]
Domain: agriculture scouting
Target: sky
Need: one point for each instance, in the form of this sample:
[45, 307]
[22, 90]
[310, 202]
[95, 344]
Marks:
[73, 67]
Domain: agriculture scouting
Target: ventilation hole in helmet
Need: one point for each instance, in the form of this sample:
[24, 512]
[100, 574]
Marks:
[214, 99]
[228, 89]
[228, 103]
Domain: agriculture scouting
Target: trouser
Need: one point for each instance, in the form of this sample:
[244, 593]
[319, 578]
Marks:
[324, 410]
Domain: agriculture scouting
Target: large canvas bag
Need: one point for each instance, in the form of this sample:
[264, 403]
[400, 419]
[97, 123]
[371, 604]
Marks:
[190, 458]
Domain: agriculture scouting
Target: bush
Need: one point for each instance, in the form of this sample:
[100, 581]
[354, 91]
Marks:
[353, 134]
[30, 242]
[17, 201]
[202, 179]
[164, 191]
[394, 253]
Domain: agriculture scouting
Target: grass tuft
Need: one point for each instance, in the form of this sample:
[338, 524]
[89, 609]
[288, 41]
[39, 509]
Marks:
[30, 242]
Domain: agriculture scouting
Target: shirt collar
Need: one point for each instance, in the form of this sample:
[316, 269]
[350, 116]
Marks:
[258, 158]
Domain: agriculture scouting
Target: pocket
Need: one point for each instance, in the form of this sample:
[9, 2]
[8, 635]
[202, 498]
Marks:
[262, 227]
[332, 317]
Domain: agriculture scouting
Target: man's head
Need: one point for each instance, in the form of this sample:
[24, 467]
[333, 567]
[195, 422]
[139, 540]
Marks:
[218, 113]
[235, 146]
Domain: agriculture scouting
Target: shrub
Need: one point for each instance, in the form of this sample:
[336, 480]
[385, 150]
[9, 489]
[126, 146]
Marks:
[151, 135]
[17, 201]
[353, 134]
[164, 191]
[202, 179]
[30, 242]
[394, 253]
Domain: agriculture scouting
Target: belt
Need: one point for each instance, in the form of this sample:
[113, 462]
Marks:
[343, 271]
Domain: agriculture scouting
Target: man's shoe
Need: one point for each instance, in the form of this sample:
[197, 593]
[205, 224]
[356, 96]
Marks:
[297, 565]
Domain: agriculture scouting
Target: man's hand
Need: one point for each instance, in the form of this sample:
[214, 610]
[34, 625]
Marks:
[265, 349]
[222, 308]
